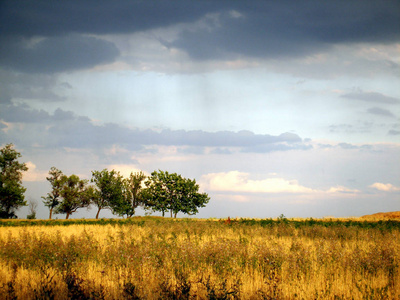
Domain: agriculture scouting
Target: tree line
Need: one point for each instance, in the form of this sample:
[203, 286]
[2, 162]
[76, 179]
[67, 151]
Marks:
[161, 191]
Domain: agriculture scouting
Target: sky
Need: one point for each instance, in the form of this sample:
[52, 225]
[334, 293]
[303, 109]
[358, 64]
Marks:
[273, 107]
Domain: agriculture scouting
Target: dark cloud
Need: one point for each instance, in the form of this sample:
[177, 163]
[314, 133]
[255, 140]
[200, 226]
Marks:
[29, 86]
[65, 129]
[23, 113]
[85, 134]
[5, 99]
[55, 54]
[371, 97]
[290, 28]
[380, 112]
[393, 132]
[49, 18]
[219, 139]
[226, 29]
[62, 115]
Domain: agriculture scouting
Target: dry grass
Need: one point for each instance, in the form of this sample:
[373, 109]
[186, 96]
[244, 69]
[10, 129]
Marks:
[186, 259]
[393, 215]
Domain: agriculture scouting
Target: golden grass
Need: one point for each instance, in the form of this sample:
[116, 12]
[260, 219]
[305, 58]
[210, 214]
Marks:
[393, 215]
[187, 259]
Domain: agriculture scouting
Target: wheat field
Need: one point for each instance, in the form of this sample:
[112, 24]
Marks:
[156, 258]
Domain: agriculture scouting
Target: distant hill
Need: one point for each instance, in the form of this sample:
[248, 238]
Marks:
[383, 215]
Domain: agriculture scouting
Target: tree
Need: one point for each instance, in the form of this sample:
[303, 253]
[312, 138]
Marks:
[32, 209]
[11, 189]
[172, 192]
[53, 198]
[134, 192]
[74, 195]
[109, 191]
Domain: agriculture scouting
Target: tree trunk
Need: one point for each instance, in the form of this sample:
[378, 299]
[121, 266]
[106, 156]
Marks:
[98, 212]
[175, 215]
[66, 218]
[51, 213]
[171, 212]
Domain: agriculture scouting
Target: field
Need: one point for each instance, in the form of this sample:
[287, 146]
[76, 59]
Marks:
[157, 258]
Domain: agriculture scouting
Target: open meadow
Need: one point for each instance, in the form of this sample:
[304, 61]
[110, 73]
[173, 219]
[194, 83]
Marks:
[160, 258]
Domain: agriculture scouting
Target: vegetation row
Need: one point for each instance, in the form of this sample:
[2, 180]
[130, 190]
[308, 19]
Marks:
[162, 191]
[386, 225]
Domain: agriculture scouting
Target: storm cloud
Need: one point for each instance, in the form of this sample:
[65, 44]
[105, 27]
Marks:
[220, 30]
[56, 54]
[279, 29]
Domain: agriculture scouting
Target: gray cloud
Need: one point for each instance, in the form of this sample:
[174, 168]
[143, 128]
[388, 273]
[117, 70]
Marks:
[285, 28]
[85, 134]
[29, 86]
[371, 97]
[55, 54]
[65, 129]
[348, 146]
[23, 113]
[62, 115]
[276, 147]
[358, 127]
[230, 29]
[221, 151]
[47, 18]
[393, 132]
[380, 112]
[191, 150]
[325, 146]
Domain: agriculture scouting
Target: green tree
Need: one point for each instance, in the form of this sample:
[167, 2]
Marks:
[109, 191]
[11, 189]
[165, 191]
[74, 195]
[134, 192]
[52, 199]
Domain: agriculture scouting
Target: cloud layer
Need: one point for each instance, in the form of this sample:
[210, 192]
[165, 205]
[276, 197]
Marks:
[56, 54]
[46, 38]
[240, 182]
[65, 129]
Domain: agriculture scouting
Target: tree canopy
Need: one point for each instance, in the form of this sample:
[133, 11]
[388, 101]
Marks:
[134, 192]
[11, 189]
[74, 194]
[108, 191]
[161, 191]
[52, 199]
[171, 192]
